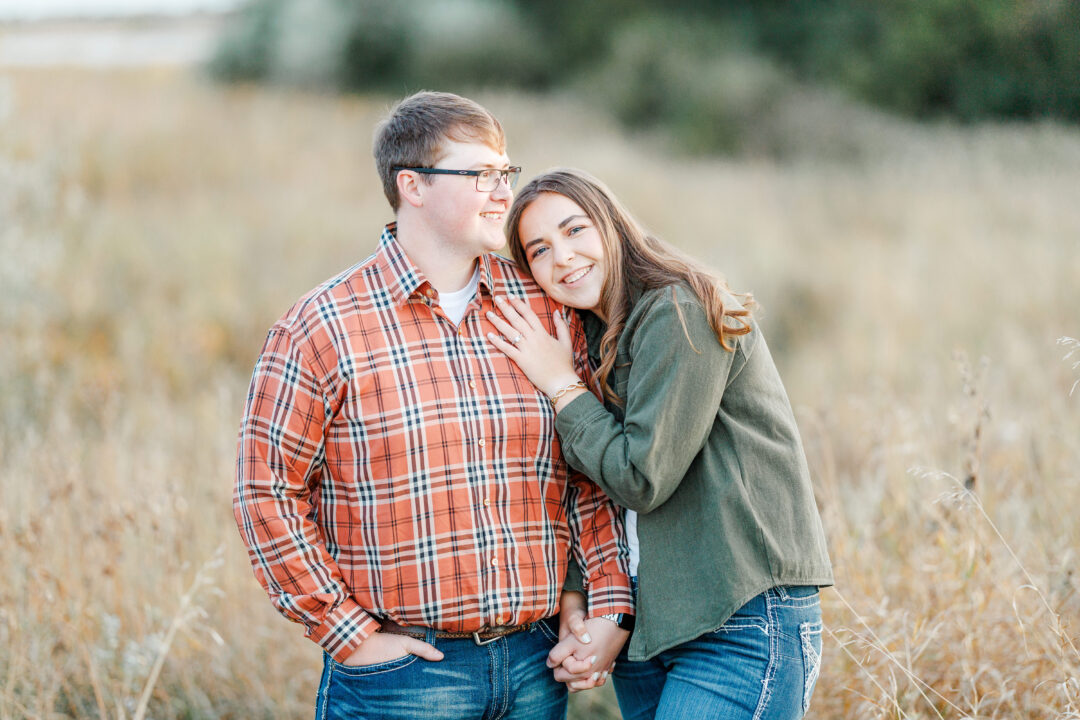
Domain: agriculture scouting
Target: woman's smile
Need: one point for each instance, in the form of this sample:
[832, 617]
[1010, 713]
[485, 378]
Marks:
[577, 275]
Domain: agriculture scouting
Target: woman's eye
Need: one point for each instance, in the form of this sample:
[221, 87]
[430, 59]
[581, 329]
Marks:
[536, 253]
[574, 230]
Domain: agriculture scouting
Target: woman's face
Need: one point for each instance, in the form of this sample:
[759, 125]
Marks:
[564, 250]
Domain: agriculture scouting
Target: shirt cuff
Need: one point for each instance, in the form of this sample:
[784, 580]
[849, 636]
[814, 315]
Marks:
[344, 628]
[610, 594]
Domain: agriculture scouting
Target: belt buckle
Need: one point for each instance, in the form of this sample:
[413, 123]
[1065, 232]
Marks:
[476, 639]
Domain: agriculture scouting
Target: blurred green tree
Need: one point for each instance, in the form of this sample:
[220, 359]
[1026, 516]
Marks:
[381, 45]
[710, 69]
[968, 59]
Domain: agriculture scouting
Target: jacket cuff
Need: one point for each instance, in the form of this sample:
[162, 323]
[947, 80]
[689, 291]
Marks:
[343, 629]
[582, 409]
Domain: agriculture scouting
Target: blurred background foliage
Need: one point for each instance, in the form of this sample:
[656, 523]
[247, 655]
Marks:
[715, 76]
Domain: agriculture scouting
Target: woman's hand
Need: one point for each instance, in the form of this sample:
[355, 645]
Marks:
[576, 660]
[547, 361]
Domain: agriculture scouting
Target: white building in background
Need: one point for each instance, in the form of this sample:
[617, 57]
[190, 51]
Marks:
[109, 33]
[45, 9]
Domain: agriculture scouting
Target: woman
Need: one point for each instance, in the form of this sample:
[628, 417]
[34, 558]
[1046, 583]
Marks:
[696, 439]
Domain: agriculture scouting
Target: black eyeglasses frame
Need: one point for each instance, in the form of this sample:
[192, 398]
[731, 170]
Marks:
[509, 175]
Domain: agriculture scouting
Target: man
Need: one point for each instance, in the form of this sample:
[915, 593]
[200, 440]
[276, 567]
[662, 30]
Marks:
[399, 482]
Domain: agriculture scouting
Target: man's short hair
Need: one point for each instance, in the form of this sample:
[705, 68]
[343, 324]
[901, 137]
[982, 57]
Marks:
[414, 133]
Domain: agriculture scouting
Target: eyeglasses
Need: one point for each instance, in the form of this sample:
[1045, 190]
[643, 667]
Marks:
[486, 180]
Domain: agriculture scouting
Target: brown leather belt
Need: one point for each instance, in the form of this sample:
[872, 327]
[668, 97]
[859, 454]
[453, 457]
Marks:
[480, 637]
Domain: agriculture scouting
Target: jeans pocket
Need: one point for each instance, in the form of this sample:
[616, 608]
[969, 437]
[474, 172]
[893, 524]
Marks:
[798, 596]
[810, 635]
[544, 626]
[739, 624]
[356, 671]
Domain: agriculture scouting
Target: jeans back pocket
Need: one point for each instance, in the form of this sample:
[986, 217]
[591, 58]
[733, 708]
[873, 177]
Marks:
[810, 635]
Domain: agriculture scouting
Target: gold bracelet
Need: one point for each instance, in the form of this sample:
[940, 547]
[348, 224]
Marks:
[562, 391]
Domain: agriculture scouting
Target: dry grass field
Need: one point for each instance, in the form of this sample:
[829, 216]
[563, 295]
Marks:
[152, 227]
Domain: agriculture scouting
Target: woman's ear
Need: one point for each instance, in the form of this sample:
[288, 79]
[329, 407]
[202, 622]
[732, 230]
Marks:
[410, 188]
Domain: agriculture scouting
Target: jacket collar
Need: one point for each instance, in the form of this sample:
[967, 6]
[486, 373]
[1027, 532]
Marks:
[595, 328]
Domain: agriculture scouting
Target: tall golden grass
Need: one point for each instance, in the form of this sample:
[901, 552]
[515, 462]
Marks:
[152, 226]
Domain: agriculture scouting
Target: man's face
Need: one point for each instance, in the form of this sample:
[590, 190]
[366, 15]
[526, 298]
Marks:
[469, 219]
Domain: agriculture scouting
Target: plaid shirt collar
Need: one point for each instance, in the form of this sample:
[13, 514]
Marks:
[404, 280]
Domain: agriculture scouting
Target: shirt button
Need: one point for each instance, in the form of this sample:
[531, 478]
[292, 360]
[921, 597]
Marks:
[499, 619]
[472, 384]
[494, 562]
[480, 442]
[430, 293]
[487, 501]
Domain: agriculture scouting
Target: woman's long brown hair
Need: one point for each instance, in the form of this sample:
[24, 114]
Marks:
[631, 255]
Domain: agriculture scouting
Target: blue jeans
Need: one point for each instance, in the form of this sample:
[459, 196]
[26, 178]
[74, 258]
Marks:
[503, 680]
[761, 664]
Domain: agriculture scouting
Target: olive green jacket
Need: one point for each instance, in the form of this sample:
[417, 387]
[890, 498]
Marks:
[706, 450]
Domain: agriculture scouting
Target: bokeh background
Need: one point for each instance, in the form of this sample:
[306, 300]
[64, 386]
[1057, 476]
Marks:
[897, 183]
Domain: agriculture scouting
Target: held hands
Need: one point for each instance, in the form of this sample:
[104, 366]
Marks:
[380, 647]
[587, 648]
[587, 665]
[547, 361]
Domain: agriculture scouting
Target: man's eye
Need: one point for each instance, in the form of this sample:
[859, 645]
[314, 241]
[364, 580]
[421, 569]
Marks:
[488, 174]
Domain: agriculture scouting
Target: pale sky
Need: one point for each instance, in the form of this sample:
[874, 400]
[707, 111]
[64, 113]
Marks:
[37, 9]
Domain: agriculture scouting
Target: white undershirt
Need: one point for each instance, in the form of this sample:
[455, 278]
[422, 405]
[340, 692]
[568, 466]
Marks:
[454, 303]
[632, 541]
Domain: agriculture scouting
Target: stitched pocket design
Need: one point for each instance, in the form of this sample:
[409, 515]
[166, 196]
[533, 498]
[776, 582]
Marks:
[546, 630]
[356, 671]
[810, 634]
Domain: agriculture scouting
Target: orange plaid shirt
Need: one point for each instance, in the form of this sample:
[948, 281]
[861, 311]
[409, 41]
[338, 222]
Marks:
[392, 465]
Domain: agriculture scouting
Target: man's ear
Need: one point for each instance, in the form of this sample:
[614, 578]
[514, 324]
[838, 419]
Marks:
[410, 188]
